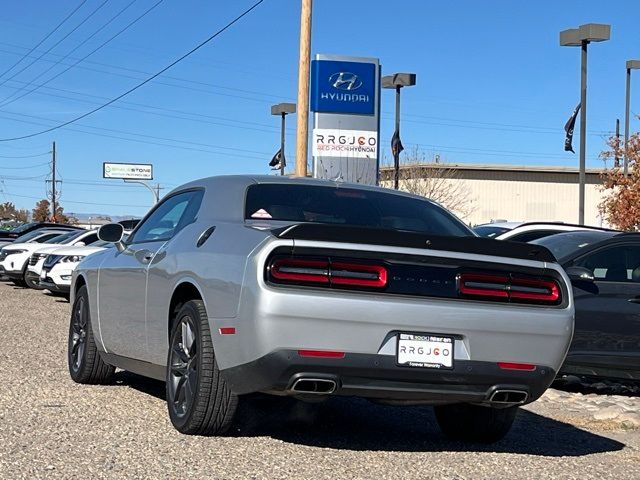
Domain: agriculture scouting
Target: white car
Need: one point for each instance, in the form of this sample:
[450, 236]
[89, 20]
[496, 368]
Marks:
[54, 270]
[528, 231]
[15, 258]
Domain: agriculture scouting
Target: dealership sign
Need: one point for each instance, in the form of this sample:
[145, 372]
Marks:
[345, 143]
[127, 171]
[345, 100]
[343, 87]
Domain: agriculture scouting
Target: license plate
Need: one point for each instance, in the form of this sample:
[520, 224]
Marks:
[425, 350]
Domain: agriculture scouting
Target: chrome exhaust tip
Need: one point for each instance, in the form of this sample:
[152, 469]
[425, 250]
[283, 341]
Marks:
[318, 386]
[508, 397]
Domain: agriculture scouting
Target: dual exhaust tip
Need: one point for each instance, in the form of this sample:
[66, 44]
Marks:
[317, 386]
[508, 397]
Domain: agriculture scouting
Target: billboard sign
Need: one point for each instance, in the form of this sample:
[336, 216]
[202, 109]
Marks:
[328, 142]
[343, 87]
[127, 171]
[345, 99]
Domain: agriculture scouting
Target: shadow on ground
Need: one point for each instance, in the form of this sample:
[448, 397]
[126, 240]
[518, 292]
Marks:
[357, 424]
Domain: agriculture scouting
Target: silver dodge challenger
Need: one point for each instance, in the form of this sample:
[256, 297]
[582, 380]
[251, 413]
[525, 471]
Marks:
[243, 284]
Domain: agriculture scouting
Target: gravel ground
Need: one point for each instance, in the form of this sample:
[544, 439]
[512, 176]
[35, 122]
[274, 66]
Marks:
[53, 428]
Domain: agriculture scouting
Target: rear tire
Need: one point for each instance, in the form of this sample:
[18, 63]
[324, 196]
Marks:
[85, 364]
[199, 400]
[475, 423]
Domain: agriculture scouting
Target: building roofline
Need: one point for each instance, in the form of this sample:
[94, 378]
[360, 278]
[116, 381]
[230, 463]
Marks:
[499, 167]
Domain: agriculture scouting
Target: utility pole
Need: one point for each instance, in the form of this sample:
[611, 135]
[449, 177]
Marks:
[302, 135]
[53, 183]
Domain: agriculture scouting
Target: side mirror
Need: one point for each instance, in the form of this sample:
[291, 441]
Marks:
[112, 233]
[580, 274]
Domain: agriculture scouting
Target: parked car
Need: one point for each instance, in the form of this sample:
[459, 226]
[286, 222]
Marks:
[239, 284]
[11, 235]
[528, 231]
[36, 236]
[604, 268]
[17, 255]
[54, 269]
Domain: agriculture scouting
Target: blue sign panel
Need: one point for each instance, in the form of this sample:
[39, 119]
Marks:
[343, 87]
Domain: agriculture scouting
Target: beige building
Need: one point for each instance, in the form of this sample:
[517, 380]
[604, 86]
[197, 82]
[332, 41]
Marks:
[514, 193]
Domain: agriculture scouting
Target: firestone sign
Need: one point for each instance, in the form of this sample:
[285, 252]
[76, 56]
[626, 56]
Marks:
[345, 99]
[127, 171]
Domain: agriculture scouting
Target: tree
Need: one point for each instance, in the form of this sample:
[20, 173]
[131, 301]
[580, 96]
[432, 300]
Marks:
[436, 181]
[621, 205]
[8, 211]
[42, 211]
[60, 217]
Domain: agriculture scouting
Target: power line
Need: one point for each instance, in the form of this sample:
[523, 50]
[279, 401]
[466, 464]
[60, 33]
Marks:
[26, 156]
[57, 43]
[9, 100]
[113, 37]
[144, 82]
[24, 168]
[43, 40]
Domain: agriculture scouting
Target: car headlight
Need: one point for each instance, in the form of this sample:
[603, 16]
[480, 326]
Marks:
[72, 258]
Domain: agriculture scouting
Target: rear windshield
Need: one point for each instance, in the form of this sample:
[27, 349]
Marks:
[22, 228]
[349, 206]
[565, 244]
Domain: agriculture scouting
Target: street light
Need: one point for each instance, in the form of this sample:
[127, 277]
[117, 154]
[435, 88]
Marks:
[581, 37]
[631, 65]
[282, 109]
[397, 81]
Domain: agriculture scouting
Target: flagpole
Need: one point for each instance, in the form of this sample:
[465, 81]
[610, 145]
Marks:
[583, 132]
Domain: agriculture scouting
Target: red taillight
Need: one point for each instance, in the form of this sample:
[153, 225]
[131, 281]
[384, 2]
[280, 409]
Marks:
[529, 367]
[328, 273]
[509, 287]
[301, 270]
[358, 275]
[320, 353]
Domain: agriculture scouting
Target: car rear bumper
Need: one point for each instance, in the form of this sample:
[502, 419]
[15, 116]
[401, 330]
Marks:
[379, 377]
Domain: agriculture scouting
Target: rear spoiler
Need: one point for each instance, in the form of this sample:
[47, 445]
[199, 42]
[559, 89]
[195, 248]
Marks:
[328, 232]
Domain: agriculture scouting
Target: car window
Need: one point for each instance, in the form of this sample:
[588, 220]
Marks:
[168, 218]
[29, 236]
[65, 237]
[531, 235]
[569, 244]
[349, 206]
[47, 237]
[620, 263]
[89, 239]
[23, 228]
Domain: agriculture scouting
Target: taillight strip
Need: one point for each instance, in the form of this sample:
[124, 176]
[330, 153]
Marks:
[509, 287]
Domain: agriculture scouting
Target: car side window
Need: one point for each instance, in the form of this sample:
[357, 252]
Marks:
[620, 263]
[168, 218]
[89, 239]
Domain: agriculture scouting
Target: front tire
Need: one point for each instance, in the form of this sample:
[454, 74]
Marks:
[85, 364]
[475, 423]
[198, 399]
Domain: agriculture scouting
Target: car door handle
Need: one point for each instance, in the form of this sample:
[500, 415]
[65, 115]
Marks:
[634, 300]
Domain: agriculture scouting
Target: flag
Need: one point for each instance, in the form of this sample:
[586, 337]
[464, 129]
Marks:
[568, 128]
[278, 161]
[396, 144]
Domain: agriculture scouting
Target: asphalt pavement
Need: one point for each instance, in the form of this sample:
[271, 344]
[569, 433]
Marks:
[51, 427]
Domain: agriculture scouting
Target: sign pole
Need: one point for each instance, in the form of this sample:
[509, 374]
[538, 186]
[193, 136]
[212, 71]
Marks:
[302, 135]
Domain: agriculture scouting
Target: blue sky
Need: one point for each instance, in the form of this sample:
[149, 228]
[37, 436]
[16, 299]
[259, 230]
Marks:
[494, 86]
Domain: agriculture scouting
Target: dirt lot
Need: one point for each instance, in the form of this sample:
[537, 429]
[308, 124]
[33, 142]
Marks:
[53, 428]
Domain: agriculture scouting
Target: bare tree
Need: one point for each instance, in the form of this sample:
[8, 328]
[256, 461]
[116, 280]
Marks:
[436, 181]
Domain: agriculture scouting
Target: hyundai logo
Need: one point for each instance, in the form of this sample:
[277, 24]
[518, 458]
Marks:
[345, 81]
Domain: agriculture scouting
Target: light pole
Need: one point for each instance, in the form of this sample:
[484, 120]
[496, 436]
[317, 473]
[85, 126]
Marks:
[631, 65]
[282, 109]
[397, 81]
[581, 37]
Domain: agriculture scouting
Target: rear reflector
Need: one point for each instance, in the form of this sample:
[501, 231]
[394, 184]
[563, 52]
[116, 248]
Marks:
[227, 330]
[509, 287]
[325, 272]
[320, 353]
[529, 367]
